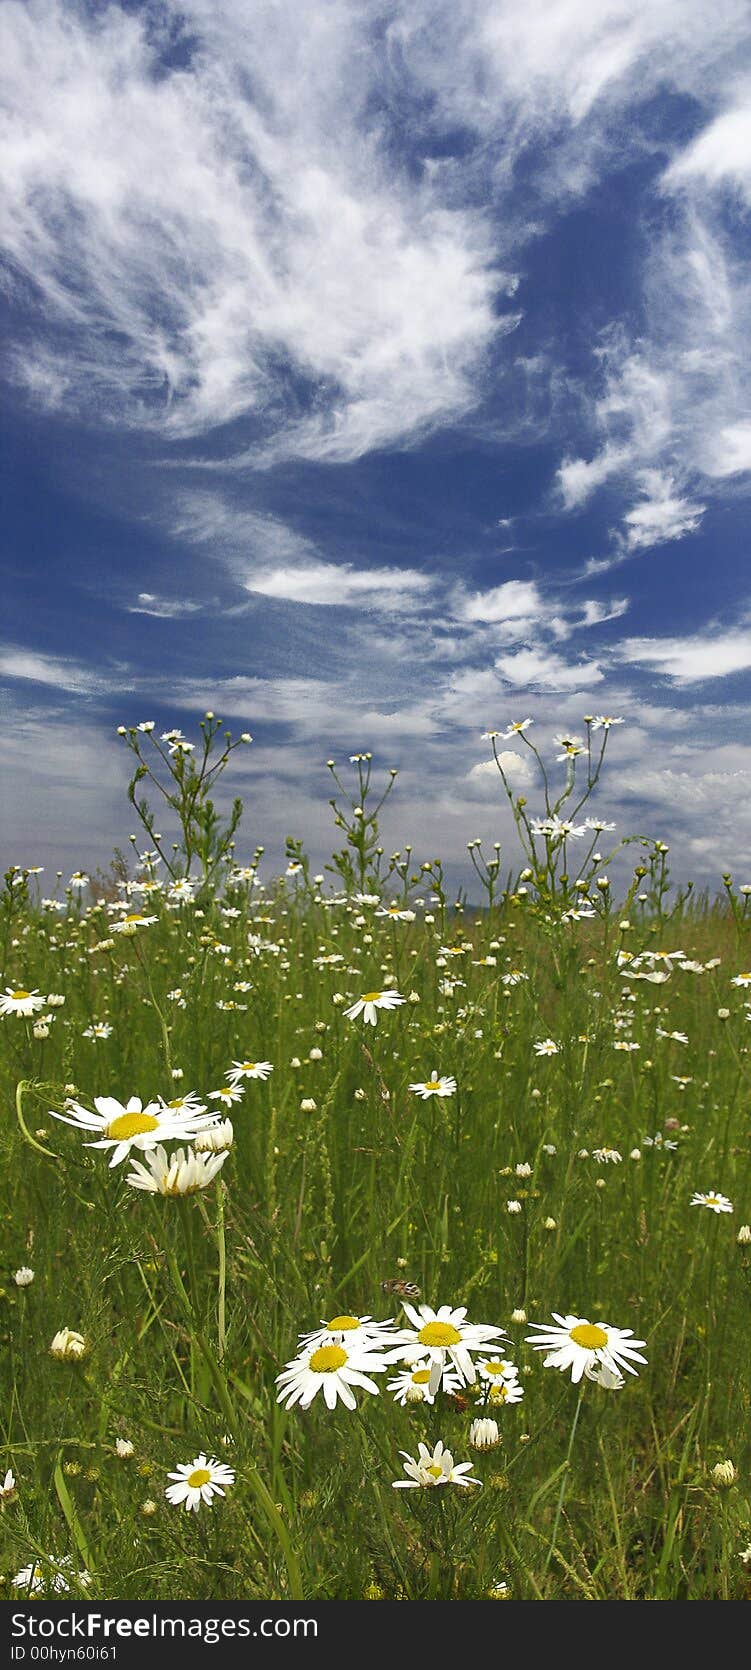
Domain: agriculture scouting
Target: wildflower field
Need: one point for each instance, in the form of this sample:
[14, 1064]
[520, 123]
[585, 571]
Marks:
[359, 1242]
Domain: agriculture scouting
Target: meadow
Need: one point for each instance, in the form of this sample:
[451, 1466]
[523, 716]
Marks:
[320, 1099]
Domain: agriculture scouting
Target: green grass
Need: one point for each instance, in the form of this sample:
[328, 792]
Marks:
[320, 1207]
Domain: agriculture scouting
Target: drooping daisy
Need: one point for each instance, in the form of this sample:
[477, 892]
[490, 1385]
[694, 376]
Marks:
[370, 1003]
[412, 1384]
[607, 1156]
[713, 1201]
[435, 1086]
[241, 1070]
[433, 1467]
[333, 1369]
[133, 1126]
[484, 1434]
[445, 1334]
[659, 1141]
[216, 1138]
[578, 1344]
[7, 1487]
[183, 1172]
[68, 1346]
[198, 1481]
[20, 1002]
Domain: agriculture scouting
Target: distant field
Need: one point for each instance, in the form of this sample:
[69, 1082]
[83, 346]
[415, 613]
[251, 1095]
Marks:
[600, 1068]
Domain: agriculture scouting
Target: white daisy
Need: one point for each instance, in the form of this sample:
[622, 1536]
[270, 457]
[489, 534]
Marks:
[435, 1086]
[505, 1391]
[578, 1344]
[412, 1384]
[20, 1002]
[433, 1467]
[183, 1172]
[444, 1334]
[546, 1046]
[68, 1346]
[713, 1201]
[8, 1487]
[216, 1138]
[198, 1481]
[131, 923]
[241, 1070]
[358, 1333]
[498, 1370]
[370, 1002]
[228, 1094]
[333, 1369]
[133, 1126]
[607, 1156]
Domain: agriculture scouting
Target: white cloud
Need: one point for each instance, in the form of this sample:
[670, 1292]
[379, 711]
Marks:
[340, 585]
[201, 254]
[661, 515]
[541, 669]
[688, 660]
[59, 672]
[720, 155]
[164, 608]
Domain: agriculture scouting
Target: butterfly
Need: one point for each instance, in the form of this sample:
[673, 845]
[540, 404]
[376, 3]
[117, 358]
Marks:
[402, 1289]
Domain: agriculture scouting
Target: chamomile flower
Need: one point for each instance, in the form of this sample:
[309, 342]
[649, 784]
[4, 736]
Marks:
[577, 1344]
[445, 1334]
[412, 1383]
[131, 923]
[183, 1172]
[98, 1030]
[241, 1070]
[713, 1201]
[49, 1576]
[546, 1046]
[198, 1481]
[370, 1003]
[435, 1086]
[215, 1138]
[332, 1368]
[498, 1370]
[505, 1391]
[7, 1487]
[68, 1346]
[18, 1001]
[607, 1156]
[433, 1467]
[227, 1094]
[122, 1128]
[358, 1333]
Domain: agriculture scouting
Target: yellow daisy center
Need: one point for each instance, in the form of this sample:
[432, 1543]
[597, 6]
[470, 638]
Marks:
[19, 997]
[199, 1477]
[421, 1377]
[371, 997]
[135, 916]
[439, 1333]
[588, 1335]
[496, 1367]
[249, 1066]
[177, 1102]
[343, 1324]
[435, 1471]
[327, 1359]
[128, 1125]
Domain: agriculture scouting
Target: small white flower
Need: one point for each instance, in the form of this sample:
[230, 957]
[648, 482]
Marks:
[433, 1467]
[23, 1277]
[370, 1003]
[713, 1201]
[198, 1481]
[484, 1434]
[68, 1346]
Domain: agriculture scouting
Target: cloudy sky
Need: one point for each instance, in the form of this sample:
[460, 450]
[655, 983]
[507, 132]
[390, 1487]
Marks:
[376, 372]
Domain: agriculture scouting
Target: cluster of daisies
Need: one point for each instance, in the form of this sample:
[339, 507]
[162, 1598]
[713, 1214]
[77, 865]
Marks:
[120, 1128]
[441, 1351]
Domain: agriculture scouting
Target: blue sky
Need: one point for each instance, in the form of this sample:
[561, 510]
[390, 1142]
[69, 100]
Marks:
[376, 372]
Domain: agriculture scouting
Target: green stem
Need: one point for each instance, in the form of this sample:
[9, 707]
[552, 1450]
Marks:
[564, 1482]
[222, 1278]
